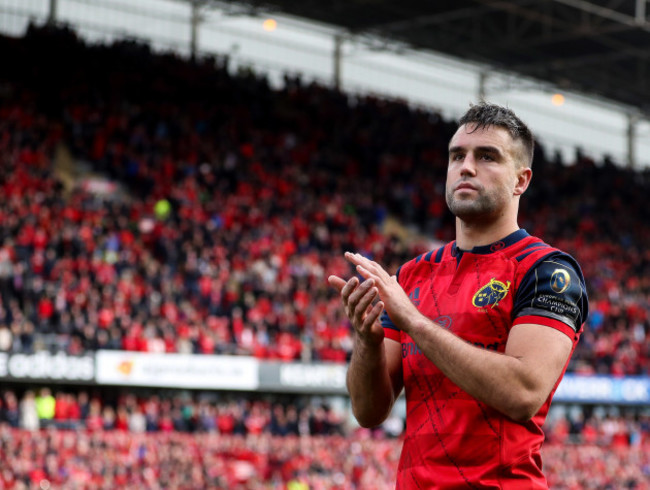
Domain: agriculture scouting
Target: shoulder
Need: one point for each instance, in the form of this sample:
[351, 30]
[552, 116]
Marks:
[553, 286]
[531, 253]
[529, 250]
[558, 273]
[543, 260]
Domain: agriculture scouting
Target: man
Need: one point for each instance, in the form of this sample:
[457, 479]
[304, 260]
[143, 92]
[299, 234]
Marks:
[478, 333]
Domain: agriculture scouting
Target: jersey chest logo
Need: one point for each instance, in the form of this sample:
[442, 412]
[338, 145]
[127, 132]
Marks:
[490, 294]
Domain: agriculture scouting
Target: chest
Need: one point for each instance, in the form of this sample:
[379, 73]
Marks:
[473, 297]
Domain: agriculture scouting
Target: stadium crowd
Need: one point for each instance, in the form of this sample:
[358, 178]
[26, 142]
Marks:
[150, 203]
[107, 460]
[189, 441]
[228, 414]
[229, 202]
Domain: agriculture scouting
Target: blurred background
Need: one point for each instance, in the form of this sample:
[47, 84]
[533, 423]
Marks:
[178, 178]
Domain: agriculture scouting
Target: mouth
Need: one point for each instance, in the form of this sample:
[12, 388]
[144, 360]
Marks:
[465, 186]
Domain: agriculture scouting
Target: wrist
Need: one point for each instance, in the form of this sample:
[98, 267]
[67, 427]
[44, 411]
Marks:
[368, 350]
[416, 324]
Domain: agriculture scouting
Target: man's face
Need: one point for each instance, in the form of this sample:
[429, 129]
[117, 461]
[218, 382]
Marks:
[482, 175]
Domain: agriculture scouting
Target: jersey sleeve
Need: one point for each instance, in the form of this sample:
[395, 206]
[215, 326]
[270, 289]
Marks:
[390, 330]
[553, 293]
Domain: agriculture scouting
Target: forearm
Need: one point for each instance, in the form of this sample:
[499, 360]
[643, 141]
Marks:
[499, 380]
[369, 384]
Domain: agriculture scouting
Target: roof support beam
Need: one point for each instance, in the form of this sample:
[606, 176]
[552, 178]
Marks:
[51, 15]
[195, 21]
[337, 59]
[640, 11]
[610, 14]
[632, 122]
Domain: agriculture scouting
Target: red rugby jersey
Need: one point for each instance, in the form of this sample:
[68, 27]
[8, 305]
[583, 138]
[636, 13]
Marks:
[452, 440]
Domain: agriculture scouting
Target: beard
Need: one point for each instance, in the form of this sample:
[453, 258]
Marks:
[481, 206]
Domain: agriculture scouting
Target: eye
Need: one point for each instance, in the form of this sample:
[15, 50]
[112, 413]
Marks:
[487, 157]
[456, 157]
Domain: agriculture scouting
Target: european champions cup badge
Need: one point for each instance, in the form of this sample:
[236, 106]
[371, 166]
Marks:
[560, 280]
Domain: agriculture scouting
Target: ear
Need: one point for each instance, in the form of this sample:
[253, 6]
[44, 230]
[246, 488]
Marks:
[524, 174]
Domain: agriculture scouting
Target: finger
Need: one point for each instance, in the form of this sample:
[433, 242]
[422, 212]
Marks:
[365, 273]
[356, 259]
[363, 288]
[371, 267]
[368, 275]
[361, 307]
[349, 287]
[362, 260]
[373, 315]
[336, 282]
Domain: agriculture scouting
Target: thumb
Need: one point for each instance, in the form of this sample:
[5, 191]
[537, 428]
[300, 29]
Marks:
[336, 282]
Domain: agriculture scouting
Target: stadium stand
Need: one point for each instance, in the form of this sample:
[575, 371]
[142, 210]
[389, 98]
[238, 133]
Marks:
[198, 442]
[153, 204]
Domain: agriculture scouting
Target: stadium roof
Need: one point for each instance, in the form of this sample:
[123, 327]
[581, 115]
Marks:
[600, 48]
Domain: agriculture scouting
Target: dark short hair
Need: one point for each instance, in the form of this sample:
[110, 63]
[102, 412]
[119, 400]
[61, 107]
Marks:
[485, 114]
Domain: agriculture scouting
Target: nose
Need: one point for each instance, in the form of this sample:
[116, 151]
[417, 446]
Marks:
[468, 166]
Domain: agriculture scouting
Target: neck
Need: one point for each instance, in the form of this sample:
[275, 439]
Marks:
[476, 234]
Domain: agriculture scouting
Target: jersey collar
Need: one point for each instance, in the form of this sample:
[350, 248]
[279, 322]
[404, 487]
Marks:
[492, 247]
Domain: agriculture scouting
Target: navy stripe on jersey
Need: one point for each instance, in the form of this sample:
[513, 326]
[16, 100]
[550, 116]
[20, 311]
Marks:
[530, 249]
[536, 244]
[429, 254]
